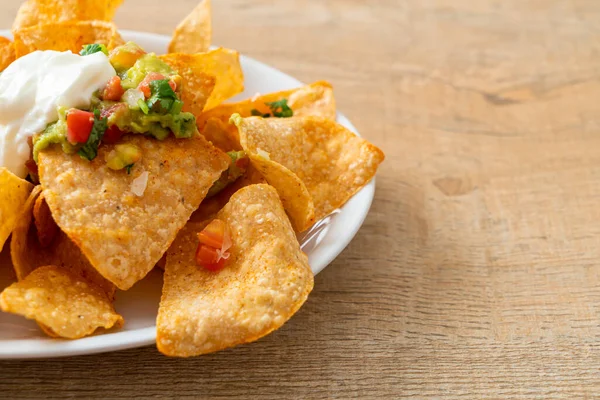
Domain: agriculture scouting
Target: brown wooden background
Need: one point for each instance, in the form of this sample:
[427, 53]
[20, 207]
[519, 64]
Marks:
[476, 274]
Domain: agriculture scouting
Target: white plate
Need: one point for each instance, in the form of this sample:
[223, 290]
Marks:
[20, 338]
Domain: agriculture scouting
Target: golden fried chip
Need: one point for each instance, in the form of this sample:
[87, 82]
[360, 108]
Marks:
[34, 12]
[315, 100]
[332, 162]
[13, 198]
[27, 252]
[63, 303]
[63, 36]
[125, 223]
[197, 84]
[264, 282]
[7, 53]
[194, 33]
[223, 64]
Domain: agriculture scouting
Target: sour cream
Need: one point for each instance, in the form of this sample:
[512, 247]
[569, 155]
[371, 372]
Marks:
[31, 90]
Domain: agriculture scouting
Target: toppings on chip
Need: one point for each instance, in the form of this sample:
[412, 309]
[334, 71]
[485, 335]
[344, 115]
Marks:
[121, 232]
[194, 33]
[331, 162]
[64, 304]
[63, 36]
[265, 280]
[13, 198]
[34, 12]
[223, 64]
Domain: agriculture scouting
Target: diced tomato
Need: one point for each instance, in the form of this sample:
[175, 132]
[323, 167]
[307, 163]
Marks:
[112, 135]
[242, 162]
[144, 85]
[79, 125]
[173, 85]
[208, 258]
[113, 89]
[213, 235]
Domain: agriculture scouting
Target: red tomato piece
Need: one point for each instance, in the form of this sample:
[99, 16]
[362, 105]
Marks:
[213, 235]
[113, 89]
[79, 125]
[112, 134]
[208, 258]
[173, 85]
[144, 85]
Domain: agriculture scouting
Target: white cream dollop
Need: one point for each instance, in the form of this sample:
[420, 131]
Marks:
[31, 90]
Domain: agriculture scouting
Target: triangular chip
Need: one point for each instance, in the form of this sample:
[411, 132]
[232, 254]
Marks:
[197, 85]
[121, 232]
[34, 12]
[64, 304]
[7, 53]
[27, 253]
[13, 198]
[315, 99]
[194, 33]
[223, 64]
[63, 36]
[264, 282]
[332, 162]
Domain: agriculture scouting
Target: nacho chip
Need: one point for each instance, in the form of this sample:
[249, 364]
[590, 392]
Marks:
[332, 162]
[63, 36]
[28, 254]
[7, 53]
[315, 99]
[223, 64]
[194, 33]
[264, 282]
[46, 228]
[13, 198]
[124, 234]
[60, 301]
[197, 85]
[34, 12]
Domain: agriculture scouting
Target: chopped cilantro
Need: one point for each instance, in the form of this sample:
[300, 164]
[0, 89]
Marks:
[93, 48]
[128, 168]
[89, 151]
[163, 97]
[280, 109]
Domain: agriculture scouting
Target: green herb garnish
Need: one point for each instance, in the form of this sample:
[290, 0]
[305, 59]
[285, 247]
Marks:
[89, 151]
[280, 109]
[257, 113]
[128, 168]
[163, 97]
[93, 48]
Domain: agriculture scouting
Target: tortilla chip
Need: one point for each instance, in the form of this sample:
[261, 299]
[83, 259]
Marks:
[194, 33]
[122, 234]
[332, 162]
[223, 64]
[64, 36]
[264, 282]
[222, 135]
[7, 53]
[60, 301]
[13, 198]
[28, 254]
[46, 228]
[315, 99]
[34, 12]
[198, 85]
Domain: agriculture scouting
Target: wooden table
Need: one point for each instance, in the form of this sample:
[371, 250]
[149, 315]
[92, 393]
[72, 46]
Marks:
[477, 272]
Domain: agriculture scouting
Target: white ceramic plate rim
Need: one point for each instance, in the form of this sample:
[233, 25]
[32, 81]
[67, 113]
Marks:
[334, 239]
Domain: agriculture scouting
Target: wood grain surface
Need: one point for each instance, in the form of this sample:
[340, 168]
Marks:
[477, 272]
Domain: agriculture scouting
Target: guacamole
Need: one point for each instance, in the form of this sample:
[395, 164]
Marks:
[143, 98]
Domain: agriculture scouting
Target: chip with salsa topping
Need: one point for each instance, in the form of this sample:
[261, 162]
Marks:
[263, 282]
